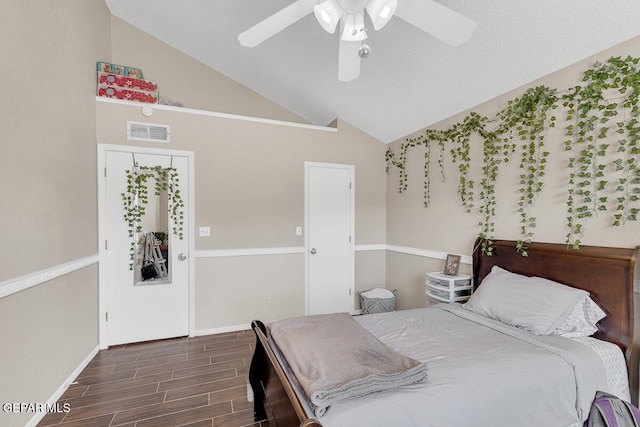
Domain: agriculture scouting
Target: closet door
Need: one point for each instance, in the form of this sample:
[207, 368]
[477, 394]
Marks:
[329, 239]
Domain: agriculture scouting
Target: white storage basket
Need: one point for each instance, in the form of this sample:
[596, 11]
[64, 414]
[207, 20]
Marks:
[378, 305]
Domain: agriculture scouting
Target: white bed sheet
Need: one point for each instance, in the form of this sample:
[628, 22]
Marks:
[614, 364]
[537, 381]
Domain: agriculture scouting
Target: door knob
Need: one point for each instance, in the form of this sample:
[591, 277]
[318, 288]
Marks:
[182, 257]
[313, 251]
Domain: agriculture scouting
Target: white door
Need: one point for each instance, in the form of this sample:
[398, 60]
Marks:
[136, 307]
[329, 239]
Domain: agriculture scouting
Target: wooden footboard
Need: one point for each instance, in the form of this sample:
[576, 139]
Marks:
[274, 396]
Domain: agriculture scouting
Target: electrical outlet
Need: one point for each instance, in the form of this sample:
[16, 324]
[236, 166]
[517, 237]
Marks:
[205, 231]
[298, 231]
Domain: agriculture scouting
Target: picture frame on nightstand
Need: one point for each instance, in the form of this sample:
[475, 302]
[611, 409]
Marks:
[452, 265]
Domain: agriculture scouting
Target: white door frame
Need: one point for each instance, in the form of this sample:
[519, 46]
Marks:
[102, 210]
[352, 222]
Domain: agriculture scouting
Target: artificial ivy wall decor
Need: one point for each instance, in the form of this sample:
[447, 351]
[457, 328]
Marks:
[136, 198]
[600, 119]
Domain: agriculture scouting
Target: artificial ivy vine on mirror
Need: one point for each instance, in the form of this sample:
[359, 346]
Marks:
[136, 198]
[603, 174]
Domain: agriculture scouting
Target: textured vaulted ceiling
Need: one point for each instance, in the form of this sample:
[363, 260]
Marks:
[412, 79]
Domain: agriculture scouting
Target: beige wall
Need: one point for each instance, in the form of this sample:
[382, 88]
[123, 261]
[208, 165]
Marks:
[249, 188]
[48, 214]
[444, 226]
[249, 182]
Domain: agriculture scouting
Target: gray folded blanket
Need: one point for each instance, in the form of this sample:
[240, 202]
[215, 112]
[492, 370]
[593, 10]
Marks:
[334, 359]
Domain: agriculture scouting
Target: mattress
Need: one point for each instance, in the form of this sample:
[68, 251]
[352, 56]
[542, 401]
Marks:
[482, 372]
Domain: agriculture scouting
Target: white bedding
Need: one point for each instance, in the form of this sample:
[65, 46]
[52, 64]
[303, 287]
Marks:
[614, 365]
[538, 380]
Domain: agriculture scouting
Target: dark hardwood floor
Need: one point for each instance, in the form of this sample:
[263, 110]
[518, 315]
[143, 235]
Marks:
[194, 382]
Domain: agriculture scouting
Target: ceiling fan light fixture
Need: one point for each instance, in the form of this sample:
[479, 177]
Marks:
[328, 14]
[353, 27]
[381, 11]
[365, 50]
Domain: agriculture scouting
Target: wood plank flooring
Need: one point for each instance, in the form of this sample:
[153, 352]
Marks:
[190, 382]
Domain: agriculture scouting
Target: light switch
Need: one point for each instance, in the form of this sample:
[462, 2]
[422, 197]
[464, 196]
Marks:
[298, 231]
[205, 231]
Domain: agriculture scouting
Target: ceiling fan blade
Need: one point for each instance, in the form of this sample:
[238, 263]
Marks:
[437, 20]
[276, 22]
[348, 60]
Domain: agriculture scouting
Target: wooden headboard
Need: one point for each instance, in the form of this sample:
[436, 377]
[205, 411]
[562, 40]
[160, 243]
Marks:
[606, 273]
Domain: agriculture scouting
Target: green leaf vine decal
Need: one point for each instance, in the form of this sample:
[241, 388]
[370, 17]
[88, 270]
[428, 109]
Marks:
[530, 117]
[603, 108]
[422, 140]
[610, 92]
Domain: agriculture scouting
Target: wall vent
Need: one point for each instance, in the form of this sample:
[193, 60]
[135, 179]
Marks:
[147, 132]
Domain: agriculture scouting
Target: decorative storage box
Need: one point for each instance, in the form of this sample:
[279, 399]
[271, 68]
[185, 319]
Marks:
[107, 67]
[377, 305]
[120, 82]
[115, 80]
[126, 94]
[440, 287]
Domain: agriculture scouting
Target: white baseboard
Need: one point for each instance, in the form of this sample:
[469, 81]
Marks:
[221, 330]
[58, 394]
[235, 328]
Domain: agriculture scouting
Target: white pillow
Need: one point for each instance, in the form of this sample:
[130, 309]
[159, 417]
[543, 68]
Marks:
[532, 303]
[583, 320]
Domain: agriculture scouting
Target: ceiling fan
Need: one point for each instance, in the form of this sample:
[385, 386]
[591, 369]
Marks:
[429, 16]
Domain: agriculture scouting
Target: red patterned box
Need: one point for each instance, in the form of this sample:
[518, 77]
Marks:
[115, 80]
[128, 94]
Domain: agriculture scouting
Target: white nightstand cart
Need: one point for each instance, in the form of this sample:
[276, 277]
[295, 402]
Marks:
[440, 287]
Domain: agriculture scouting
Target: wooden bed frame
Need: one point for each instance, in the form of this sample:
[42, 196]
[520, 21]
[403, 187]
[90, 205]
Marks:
[607, 273]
